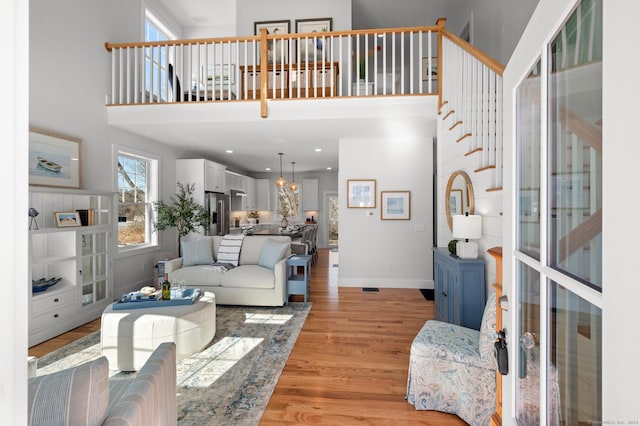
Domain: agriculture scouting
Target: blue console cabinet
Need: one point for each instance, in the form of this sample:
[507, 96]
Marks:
[459, 288]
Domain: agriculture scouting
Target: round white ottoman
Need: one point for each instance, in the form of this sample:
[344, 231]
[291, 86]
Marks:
[128, 337]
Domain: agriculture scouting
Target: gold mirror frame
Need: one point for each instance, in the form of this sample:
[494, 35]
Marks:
[447, 194]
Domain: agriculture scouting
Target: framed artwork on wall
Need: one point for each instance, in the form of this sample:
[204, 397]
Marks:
[455, 201]
[529, 205]
[430, 71]
[395, 205]
[361, 193]
[311, 48]
[278, 50]
[54, 159]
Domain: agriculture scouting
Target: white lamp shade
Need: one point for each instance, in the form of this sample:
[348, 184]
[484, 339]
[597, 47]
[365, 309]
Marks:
[469, 227]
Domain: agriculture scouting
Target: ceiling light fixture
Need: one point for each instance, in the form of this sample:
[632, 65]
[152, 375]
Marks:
[281, 182]
[293, 185]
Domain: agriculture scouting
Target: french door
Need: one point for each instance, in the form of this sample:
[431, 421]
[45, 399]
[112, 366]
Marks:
[558, 227]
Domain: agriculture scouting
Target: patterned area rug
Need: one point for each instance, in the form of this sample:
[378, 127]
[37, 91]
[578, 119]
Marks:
[229, 382]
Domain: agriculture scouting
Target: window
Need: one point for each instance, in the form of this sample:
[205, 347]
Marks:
[137, 179]
[155, 57]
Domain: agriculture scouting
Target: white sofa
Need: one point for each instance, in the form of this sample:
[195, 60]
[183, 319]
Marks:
[84, 395]
[258, 280]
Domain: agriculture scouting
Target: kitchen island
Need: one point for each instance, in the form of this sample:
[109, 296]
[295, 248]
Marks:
[276, 230]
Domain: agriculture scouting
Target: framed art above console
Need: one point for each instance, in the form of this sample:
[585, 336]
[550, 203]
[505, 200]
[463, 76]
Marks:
[54, 159]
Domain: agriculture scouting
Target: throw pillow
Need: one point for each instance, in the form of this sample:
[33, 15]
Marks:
[487, 330]
[74, 396]
[272, 252]
[197, 252]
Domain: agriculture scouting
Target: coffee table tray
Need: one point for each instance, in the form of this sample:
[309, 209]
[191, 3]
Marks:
[189, 296]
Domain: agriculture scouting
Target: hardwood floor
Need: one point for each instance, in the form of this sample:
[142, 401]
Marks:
[349, 364]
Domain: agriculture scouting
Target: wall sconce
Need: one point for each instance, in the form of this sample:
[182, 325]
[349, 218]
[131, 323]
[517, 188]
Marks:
[467, 227]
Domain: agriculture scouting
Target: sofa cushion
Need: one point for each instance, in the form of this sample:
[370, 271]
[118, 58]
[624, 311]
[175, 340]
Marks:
[272, 252]
[199, 275]
[249, 276]
[197, 252]
[74, 396]
[229, 249]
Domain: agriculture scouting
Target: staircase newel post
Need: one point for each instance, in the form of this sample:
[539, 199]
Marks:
[263, 72]
[440, 23]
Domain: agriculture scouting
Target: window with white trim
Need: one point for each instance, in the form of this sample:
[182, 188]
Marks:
[155, 58]
[137, 183]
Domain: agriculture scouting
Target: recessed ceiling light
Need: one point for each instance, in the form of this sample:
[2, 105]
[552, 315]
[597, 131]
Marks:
[200, 19]
[229, 151]
[318, 150]
[329, 168]
[268, 169]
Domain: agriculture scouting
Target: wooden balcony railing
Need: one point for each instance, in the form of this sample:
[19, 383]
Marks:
[381, 62]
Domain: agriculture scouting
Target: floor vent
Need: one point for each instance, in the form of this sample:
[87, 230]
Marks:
[370, 289]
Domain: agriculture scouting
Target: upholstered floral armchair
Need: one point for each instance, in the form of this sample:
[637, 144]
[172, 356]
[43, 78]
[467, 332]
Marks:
[453, 368]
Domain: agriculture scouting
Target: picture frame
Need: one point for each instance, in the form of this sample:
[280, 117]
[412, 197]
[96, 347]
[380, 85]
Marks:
[455, 201]
[278, 50]
[361, 193]
[224, 75]
[395, 205]
[529, 205]
[54, 159]
[433, 71]
[308, 49]
[67, 219]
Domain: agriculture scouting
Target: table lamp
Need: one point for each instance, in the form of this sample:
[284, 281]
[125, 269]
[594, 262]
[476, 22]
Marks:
[467, 227]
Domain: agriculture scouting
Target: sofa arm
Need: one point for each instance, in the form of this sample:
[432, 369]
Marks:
[172, 265]
[149, 397]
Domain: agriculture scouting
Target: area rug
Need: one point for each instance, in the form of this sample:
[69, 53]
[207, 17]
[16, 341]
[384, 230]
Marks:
[229, 382]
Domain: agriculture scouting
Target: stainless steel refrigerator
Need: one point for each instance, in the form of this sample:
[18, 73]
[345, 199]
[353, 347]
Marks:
[218, 208]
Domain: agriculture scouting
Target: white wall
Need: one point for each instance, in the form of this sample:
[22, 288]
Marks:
[388, 253]
[69, 77]
[498, 24]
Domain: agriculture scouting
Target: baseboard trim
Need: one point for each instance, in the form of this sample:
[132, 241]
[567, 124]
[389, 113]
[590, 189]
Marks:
[384, 283]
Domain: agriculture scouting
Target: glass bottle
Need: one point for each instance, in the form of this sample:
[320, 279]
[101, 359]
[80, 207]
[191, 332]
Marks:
[166, 288]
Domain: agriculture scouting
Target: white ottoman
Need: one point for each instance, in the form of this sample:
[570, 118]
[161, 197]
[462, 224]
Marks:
[128, 337]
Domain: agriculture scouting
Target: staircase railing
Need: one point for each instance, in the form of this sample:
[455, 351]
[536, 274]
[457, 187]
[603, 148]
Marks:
[471, 102]
[393, 61]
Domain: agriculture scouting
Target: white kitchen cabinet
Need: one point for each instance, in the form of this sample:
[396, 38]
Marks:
[80, 255]
[235, 182]
[310, 195]
[263, 194]
[251, 193]
[204, 174]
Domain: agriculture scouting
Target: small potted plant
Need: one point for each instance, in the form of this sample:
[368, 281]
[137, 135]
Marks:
[254, 217]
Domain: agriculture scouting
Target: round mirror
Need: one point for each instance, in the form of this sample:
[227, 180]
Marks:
[458, 198]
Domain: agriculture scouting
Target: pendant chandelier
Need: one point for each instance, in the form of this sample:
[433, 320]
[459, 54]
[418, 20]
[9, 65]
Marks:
[281, 182]
[293, 185]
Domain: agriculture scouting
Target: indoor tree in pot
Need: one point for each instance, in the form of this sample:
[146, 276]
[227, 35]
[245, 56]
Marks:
[184, 214]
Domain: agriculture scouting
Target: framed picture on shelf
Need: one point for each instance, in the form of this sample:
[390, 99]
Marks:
[395, 205]
[67, 219]
[54, 159]
[312, 48]
[361, 193]
[278, 50]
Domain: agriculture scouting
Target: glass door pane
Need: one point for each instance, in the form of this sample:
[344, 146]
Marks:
[575, 145]
[529, 155]
[575, 359]
[528, 349]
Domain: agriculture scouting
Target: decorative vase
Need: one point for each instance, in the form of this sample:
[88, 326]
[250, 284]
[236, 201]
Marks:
[284, 222]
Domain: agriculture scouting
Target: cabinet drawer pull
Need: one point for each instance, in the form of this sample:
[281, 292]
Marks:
[56, 300]
[55, 315]
[444, 294]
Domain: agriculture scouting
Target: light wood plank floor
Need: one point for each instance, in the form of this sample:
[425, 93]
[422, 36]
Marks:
[349, 364]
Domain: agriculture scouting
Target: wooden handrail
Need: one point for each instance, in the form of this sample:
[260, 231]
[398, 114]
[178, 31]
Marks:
[291, 36]
[494, 65]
